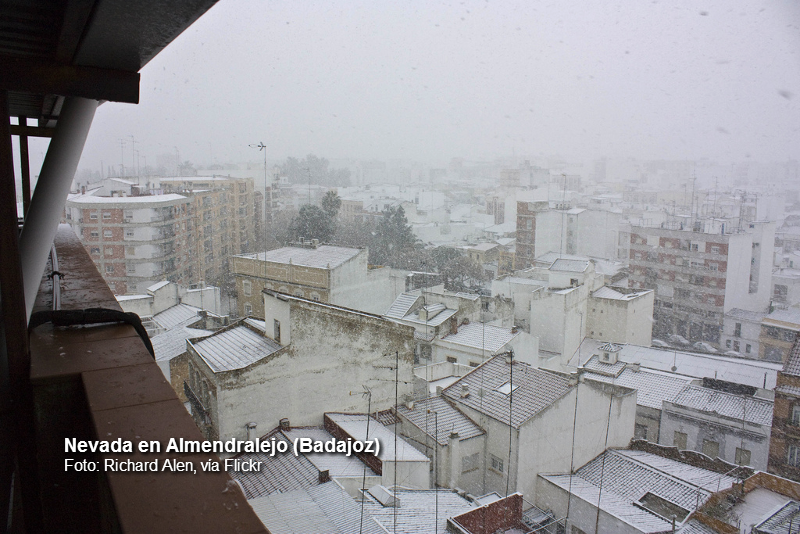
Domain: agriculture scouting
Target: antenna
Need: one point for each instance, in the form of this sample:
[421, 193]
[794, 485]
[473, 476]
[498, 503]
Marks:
[261, 148]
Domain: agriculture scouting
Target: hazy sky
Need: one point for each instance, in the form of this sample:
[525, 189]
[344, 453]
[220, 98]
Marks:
[428, 81]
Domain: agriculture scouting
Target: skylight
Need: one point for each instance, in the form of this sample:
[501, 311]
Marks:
[506, 388]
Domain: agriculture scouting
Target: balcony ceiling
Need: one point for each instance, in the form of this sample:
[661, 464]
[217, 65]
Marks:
[50, 49]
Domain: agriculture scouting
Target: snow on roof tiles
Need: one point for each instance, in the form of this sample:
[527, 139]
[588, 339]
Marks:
[235, 348]
[401, 305]
[792, 365]
[481, 336]
[652, 387]
[535, 390]
[447, 419]
[751, 409]
[571, 266]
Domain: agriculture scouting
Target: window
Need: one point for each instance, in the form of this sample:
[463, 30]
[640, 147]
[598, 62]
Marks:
[694, 247]
[727, 343]
[247, 288]
[640, 431]
[107, 233]
[796, 415]
[248, 308]
[474, 364]
[95, 250]
[109, 268]
[747, 348]
[507, 388]
[715, 250]
[710, 448]
[452, 359]
[106, 215]
[496, 463]
[713, 267]
[470, 463]
[93, 216]
[95, 233]
[742, 456]
[129, 232]
[109, 251]
[276, 326]
[679, 440]
[793, 457]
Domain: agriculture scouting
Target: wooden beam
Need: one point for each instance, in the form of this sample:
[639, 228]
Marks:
[31, 131]
[43, 77]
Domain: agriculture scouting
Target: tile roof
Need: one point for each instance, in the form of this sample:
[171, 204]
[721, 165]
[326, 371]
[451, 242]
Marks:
[447, 419]
[628, 475]
[322, 257]
[570, 266]
[279, 473]
[481, 336]
[356, 426]
[752, 409]
[175, 315]
[652, 387]
[401, 305]
[418, 510]
[234, 348]
[780, 521]
[792, 365]
[609, 369]
[788, 390]
[535, 389]
[338, 465]
[789, 315]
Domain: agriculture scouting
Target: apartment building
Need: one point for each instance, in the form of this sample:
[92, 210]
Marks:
[700, 272]
[226, 213]
[177, 229]
[136, 241]
[543, 228]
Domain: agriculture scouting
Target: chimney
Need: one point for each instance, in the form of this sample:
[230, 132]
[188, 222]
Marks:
[302, 240]
[252, 435]
[514, 329]
[83, 190]
[324, 476]
[314, 243]
[454, 446]
[464, 391]
[573, 379]
[410, 404]
[284, 424]
[635, 366]
[439, 390]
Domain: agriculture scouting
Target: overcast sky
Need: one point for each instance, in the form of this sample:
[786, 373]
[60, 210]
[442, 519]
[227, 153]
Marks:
[429, 81]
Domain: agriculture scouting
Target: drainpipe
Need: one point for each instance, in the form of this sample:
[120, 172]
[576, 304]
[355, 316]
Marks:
[52, 188]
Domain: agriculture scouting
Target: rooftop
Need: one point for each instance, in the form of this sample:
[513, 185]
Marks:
[653, 387]
[145, 199]
[792, 365]
[448, 418]
[322, 257]
[746, 315]
[235, 347]
[534, 390]
[482, 336]
[738, 370]
[606, 292]
[356, 426]
[752, 409]
[627, 476]
[401, 305]
[571, 266]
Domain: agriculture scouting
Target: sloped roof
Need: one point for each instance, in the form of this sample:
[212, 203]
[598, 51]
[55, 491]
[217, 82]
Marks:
[751, 409]
[628, 475]
[571, 266]
[356, 426]
[481, 336]
[337, 464]
[279, 473]
[175, 315]
[608, 293]
[792, 365]
[419, 510]
[652, 387]
[534, 390]
[234, 348]
[401, 305]
[447, 419]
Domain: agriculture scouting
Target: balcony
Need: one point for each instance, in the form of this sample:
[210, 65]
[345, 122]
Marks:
[100, 382]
